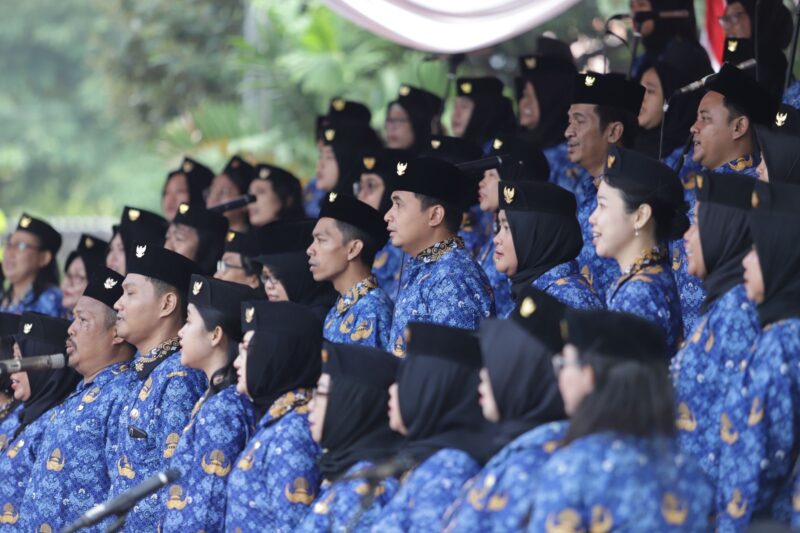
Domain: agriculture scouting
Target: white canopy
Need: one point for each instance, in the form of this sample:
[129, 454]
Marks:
[448, 26]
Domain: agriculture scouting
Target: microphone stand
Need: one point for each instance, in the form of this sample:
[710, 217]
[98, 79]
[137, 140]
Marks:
[793, 50]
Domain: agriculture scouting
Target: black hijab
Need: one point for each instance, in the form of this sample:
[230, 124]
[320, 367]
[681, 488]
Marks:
[723, 224]
[356, 424]
[775, 227]
[552, 77]
[522, 377]
[423, 109]
[284, 352]
[438, 393]
[781, 153]
[541, 217]
[492, 113]
[347, 146]
[681, 64]
[47, 335]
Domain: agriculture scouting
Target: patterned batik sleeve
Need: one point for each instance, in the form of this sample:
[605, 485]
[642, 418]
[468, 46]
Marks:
[557, 501]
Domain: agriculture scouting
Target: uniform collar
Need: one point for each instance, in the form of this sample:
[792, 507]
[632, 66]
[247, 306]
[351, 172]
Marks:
[433, 253]
[651, 257]
[145, 364]
[740, 164]
[352, 296]
[104, 376]
[296, 400]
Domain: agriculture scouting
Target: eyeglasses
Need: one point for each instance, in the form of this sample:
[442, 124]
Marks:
[731, 19]
[396, 121]
[20, 246]
[316, 393]
[369, 186]
[268, 279]
[559, 362]
[222, 266]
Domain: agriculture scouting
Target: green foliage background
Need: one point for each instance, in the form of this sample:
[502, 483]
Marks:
[100, 98]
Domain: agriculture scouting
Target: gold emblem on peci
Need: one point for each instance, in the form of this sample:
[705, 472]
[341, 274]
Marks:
[508, 194]
[369, 163]
[466, 87]
[140, 251]
[435, 144]
[25, 221]
[401, 168]
[497, 144]
[134, 214]
[733, 44]
[405, 90]
[527, 308]
[183, 209]
[530, 62]
[249, 314]
[197, 287]
[589, 81]
[330, 135]
[26, 328]
[338, 104]
[780, 119]
[610, 160]
[332, 197]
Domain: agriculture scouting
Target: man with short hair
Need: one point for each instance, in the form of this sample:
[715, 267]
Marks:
[150, 312]
[723, 134]
[347, 236]
[603, 114]
[71, 474]
[443, 284]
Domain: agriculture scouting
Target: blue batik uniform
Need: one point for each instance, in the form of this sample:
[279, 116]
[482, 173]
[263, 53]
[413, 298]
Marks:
[312, 198]
[158, 407]
[476, 229]
[647, 289]
[444, 286]
[612, 482]
[791, 95]
[339, 503]
[8, 425]
[690, 288]
[565, 283]
[16, 464]
[599, 271]
[760, 430]
[71, 473]
[48, 303]
[362, 315]
[500, 497]
[563, 172]
[428, 492]
[276, 478]
[388, 267]
[703, 370]
[219, 428]
[501, 285]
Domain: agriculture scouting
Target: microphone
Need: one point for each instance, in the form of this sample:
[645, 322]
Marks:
[643, 16]
[28, 364]
[705, 80]
[495, 161]
[236, 203]
[122, 503]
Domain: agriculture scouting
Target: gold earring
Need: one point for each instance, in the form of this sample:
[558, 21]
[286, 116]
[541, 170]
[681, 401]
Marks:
[636, 231]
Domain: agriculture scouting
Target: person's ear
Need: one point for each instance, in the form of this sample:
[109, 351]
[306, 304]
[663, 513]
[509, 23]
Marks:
[217, 336]
[614, 132]
[741, 127]
[435, 215]
[45, 256]
[643, 215]
[169, 303]
[354, 248]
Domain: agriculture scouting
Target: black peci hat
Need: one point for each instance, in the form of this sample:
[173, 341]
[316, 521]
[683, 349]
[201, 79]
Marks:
[528, 160]
[479, 88]
[745, 93]
[738, 50]
[540, 315]
[459, 345]
[611, 90]
[451, 149]
[201, 219]
[614, 334]
[368, 365]
[43, 328]
[349, 210]
[284, 237]
[434, 178]
[732, 190]
[225, 297]
[141, 226]
[49, 237]
[198, 178]
[540, 196]
[240, 172]
[285, 317]
[162, 264]
[636, 173]
[9, 324]
[91, 250]
[241, 243]
[105, 286]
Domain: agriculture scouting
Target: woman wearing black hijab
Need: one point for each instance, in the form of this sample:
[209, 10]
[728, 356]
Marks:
[538, 241]
[705, 367]
[349, 421]
[39, 392]
[780, 156]
[435, 405]
[412, 118]
[481, 112]
[764, 408]
[9, 406]
[282, 252]
[518, 392]
[339, 163]
[276, 477]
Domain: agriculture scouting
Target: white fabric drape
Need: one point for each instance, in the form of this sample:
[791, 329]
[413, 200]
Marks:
[448, 26]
